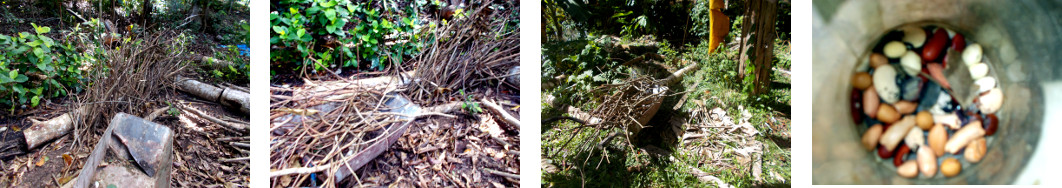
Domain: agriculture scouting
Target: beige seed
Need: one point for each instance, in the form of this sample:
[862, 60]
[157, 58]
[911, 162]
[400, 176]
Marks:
[950, 167]
[892, 136]
[976, 150]
[908, 169]
[925, 120]
[937, 137]
[870, 138]
[927, 162]
[963, 137]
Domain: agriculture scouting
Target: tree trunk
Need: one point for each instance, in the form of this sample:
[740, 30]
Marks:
[762, 15]
[145, 13]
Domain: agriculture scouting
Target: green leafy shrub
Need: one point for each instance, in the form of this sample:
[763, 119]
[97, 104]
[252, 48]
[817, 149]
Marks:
[235, 71]
[33, 66]
[585, 65]
[324, 33]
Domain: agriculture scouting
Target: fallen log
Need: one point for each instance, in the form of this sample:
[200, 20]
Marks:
[43, 131]
[225, 96]
[213, 63]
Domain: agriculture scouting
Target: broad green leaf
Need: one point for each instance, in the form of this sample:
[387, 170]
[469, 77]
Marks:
[35, 100]
[407, 21]
[328, 4]
[330, 28]
[387, 24]
[4, 79]
[278, 29]
[21, 78]
[19, 89]
[330, 14]
[47, 41]
[35, 43]
[301, 32]
[20, 50]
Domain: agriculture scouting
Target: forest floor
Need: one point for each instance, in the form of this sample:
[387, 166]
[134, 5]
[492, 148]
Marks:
[322, 121]
[200, 147]
[696, 139]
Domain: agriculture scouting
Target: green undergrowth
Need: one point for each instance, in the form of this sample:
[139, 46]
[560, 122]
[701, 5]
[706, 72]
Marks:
[34, 66]
[237, 71]
[327, 34]
[715, 82]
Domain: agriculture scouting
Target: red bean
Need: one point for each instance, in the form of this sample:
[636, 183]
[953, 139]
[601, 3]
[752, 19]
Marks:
[991, 123]
[856, 106]
[958, 42]
[884, 153]
[901, 154]
[935, 46]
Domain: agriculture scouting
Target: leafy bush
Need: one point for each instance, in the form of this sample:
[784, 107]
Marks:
[318, 32]
[235, 71]
[590, 67]
[33, 66]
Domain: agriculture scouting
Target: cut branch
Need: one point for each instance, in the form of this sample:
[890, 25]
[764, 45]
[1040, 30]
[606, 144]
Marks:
[225, 96]
[43, 131]
[514, 124]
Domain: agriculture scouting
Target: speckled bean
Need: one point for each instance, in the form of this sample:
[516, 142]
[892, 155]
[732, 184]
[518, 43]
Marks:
[885, 84]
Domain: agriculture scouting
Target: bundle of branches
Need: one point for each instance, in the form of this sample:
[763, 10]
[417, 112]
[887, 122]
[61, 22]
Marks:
[323, 137]
[624, 110]
[474, 50]
[324, 131]
[130, 76]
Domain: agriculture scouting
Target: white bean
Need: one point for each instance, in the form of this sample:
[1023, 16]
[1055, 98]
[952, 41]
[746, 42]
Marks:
[978, 71]
[985, 84]
[972, 54]
[894, 49]
[911, 63]
[991, 102]
[915, 138]
[914, 35]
